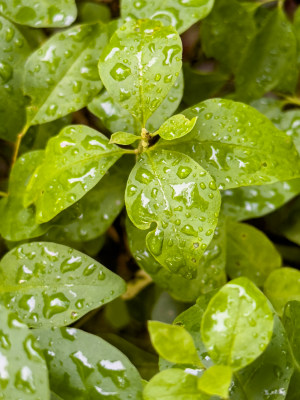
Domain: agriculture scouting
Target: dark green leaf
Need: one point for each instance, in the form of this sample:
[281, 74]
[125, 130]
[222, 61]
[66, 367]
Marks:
[93, 12]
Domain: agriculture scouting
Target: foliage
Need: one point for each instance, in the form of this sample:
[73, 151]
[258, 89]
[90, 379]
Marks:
[136, 139]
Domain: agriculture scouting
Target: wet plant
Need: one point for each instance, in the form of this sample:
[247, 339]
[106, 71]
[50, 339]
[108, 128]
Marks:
[126, 176]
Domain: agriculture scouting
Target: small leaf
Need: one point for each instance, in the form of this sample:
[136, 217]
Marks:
[173, 191]
[282, 286]
[61, 76]
[181, 14]
[74, 163]
[131, 73]
[173, 343]
[13, 54]
[43, 13]
[237, 325]
[250, 253]
[123, 138]
[53, 285]
[23, 369]
[216, 381]
[237, 145]
[97, 369]
[176, 127]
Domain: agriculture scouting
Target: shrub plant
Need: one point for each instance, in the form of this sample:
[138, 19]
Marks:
[135, 142]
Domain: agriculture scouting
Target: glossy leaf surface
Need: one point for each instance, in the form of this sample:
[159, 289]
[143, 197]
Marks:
[173, 343]
[74, 162]
[123, 138]
[176, 127]
[53, 285]
[61, 77]
[237, 325]
[250, 253]
[237, 145]
[270, 60]
[282, 286]
[216, 381]
[84, 366]
[116, 118]
[210, 270]
[291, 322]
[13, 53]
[173, 191]
[181, 14]
[23, 369]
[130, 72]
[43, 13]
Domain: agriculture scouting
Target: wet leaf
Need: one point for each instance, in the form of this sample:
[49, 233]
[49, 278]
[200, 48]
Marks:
[291, 322]
[13, 54]
[176, 127]
[173, 191]
[227, 31]
[237, 145]
[181, 14]
[173, 343]
[130, 72]
[282, 286]
[53, 285]
[210, 269]
[270, 60]
[216, 381]
[250, 253]
[74, 163]
[237, 325]
[61, 77]
[43, 13]
[123, 138]
[84, 366]
[23, 369]
[16, 222]
[116, 118]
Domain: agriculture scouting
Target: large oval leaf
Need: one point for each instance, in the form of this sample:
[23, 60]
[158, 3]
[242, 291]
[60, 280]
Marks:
[53, 285]
[181, 14]
[237, 325]
[61, 77]
[13, 54]
[140, 65]
[23, 370]
[43, 13]
[237, 145]
[74, 163]
[95, 369]
[172, 190]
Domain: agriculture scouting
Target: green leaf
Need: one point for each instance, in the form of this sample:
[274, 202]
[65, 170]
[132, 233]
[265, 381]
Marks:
[250, 253]
[53, 285]
[237, 145]
[16, 222]
[181, 14]
[61, 77]
[210, 269]
[95, 368]
[13, 54]
[23, 369]
[216, 380]
[176, 127]
[91, 12]
[43, 13]
[282, 286]
[291, 322]
[173, 343]
[227, 31]
[270, 61]
[74, 163]
[131, 73]
[173, 191]
[116, 118]
[123, 138]
[237, 325]
[173, 384]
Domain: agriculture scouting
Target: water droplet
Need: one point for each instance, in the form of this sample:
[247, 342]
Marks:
[155, 242]
[54, 304]
[120, 72]
[183, 172]
[6, 72]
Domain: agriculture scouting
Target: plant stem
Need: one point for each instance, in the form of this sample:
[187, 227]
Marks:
[281, 3]
[18, 143]
[3, 194]
[291, 100]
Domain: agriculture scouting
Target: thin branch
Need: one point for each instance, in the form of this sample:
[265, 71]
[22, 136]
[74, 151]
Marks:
[18, 143]
[3, 194]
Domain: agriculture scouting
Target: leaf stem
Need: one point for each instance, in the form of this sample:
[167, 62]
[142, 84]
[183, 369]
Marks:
[281, 3]
[291, 100]
[3, 194]
[18, 143]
